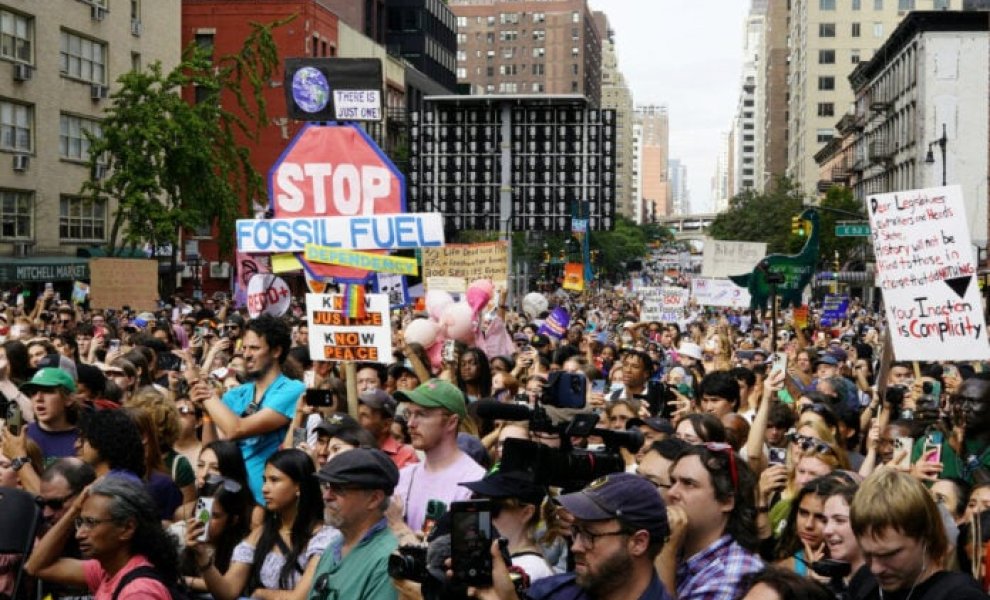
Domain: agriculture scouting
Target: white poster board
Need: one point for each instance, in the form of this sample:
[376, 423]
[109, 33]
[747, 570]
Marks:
[662, 304]
[722, 258]
[719, 292]
[926, 270]
[333, 335]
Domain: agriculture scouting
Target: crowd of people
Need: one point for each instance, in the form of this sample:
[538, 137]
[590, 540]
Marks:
[192, 452]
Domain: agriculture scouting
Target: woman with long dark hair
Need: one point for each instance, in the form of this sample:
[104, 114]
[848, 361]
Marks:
[282, 554]
[474, 374]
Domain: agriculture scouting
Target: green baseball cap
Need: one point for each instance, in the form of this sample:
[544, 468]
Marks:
[49, 377]
[437, 393]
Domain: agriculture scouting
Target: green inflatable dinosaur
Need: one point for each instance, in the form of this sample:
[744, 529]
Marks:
[796, 270]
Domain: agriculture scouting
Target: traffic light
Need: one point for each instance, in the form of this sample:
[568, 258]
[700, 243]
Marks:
[797, 227]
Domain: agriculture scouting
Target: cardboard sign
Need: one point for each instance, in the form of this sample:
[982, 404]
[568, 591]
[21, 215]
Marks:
[117, 282]
[454, 266]
[334, 335]
[268, 295]
[373, 232]
[719, 292]
[363, 260]
[721, 258]
[926, 270]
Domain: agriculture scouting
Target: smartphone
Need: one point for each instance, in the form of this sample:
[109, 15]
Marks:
[449, 352]
[598, 386]
[932, 452]
[15, 419]
[471, 542]
[320, 398]
[113, 346]
[204, 508]
[902, 444]
[49, 287]
[778, 362]
[777, 456]
[298, 436]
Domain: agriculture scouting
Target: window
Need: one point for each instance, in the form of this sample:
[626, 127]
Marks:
[539, 35]
[539, 52]
[574, 86]
[539, 17]
[462, 22]
[857, 4]
[491, 20]
[826, 83]
[826, 57]
[826, 109]
[878, 30]
[135, 61]
[509, 52]
[855, 30]
[574, 69]
[877, 4]
[82, 219]
[940, 5]
[509, 35]
[461, 73]
[748, 137]
[461, 55]
[135, 10]
[826, 4]
[204, 41]
[905, 4]
[15, 215]
[82, 58]
[747, 148]
[538, 69]
[824, 136]
[16, 123]
[574, 34]
[826, 30]
[462, 37]
[538, 87]
[489, 71]
[72, 141]
[509, 69]
[16, 33]
[575, 51]
[575, 17]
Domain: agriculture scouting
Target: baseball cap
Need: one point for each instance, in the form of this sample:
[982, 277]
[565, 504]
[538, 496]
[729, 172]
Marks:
[334, 423]
[363, 468]
[437, 393]
[539, 340]
[47, 378]
[827, 359]
[378, 400]
[690, 349]
[839, 354]
[520, 337]
[235, 320]
[624, 496]
[658, 424]
[508, 484]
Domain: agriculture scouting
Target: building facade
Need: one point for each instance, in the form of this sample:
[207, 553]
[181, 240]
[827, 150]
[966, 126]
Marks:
[59, 62]
[722, 179]
[528, 46]
[680, 200]
[424, 32]
[772, 80]
[828, 39]
[748, 122]
[654, 152]
[617, 96]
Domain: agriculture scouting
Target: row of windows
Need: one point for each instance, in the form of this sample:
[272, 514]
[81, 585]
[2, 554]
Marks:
[827, 30]
[79, 57]
[827, 57]
[79, 219]
[902, 5]
[17, 126]
[511, 87]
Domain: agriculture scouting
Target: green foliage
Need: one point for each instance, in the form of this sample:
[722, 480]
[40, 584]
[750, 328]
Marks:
[840, 205]
[173, 165]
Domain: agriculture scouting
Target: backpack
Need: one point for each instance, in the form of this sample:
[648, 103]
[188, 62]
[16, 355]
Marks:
[174, 591]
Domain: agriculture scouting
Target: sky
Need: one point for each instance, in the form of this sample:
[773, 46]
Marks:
[686, 54]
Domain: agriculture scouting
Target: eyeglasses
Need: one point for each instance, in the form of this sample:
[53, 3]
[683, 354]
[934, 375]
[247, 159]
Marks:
[587, 538]
[811, 444]
[724, 448]
[185, 410]
[53, 503]
[336, 489]
[229, 485]
[89, 522]
[65, 321]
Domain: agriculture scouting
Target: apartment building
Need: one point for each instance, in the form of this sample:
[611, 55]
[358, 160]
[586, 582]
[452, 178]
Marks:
[828, 39]
[654, 153]
[747, 125]
[528, 46]
[772, 82]
[617, 96]
[59, 62]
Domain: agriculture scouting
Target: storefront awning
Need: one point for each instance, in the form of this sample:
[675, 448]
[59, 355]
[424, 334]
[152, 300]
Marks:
[43, 268]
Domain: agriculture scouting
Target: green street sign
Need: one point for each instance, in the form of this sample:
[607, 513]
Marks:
[852, 230]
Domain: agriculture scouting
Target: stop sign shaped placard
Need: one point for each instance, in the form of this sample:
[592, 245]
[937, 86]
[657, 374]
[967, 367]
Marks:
[334, 171]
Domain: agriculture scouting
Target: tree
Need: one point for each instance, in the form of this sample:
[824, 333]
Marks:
[754, 217]
[174, 165]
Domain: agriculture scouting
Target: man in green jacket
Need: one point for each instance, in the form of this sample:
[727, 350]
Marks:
[356, 489]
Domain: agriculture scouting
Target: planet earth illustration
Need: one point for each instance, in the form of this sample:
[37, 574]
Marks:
[310, 89]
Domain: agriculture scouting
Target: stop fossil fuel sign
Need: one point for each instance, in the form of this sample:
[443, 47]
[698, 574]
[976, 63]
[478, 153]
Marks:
[331, 171]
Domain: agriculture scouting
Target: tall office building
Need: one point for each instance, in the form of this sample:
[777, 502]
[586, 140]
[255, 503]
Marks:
[424, 32]
[640, 213]
[828, 38]
[654, 151]
[680, 199]
[772, 80]
[59, 62]
[747, 125]
[617, 96]
[528, 46]
[722, 179]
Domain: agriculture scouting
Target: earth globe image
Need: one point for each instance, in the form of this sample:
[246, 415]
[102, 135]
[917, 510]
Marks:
[310, 89]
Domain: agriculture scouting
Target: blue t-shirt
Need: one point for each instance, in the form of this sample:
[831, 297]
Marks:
[53, 444]
[281, 396]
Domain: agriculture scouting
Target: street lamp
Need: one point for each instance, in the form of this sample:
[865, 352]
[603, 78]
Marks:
[930, 157]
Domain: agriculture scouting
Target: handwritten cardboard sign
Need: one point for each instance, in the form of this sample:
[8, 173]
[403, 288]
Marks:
[117, 282]
[926, 270]
[335, 335]
[721, 258]
[452, 267]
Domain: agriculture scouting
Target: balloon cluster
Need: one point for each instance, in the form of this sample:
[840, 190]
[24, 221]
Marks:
[450, 320]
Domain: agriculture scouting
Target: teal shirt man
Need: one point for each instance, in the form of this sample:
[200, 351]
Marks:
[362, 574]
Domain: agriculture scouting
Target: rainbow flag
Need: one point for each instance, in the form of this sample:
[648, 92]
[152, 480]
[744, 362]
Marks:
[354, 300]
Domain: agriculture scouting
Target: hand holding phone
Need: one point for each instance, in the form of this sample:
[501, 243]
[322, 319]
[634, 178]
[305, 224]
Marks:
[471, 542]
[204, 508]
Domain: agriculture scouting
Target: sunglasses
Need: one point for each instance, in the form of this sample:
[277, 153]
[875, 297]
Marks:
[726, 449]
[215, 482]
[53, 503]
[810, 444]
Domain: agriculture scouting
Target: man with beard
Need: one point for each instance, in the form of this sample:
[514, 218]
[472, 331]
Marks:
[356, 488]
[966, 449]
[620, 526]
[257, 413]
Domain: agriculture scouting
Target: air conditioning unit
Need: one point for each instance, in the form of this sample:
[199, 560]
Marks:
[220, 270]
[22, 72]
[97, 12]
[136, 27]
[99, 171]
[23, 249]
[97, 91]
[21, 162]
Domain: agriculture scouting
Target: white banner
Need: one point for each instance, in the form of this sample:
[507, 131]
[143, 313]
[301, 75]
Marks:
[722, 258]
[662, 304]
[368, 232]
[334, 335]
[719, 292]
[926, 270]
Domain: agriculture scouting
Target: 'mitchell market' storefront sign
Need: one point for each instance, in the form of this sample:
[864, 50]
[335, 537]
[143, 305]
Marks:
[44, 272]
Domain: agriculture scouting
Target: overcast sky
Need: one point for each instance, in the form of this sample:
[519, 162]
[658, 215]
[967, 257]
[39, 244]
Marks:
[686, 54]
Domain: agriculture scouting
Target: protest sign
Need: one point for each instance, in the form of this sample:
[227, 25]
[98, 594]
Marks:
[247, 266]
[719, 292]
[834, 308]
[380, 263]
[926, 270]
[366, 232]
[801, 316]
[721, 258]
[394, 286]
[116, 282]
[267, 295]
[662, 304]
[573, 277]
[336, 334]
[556, 323]
[452, 267]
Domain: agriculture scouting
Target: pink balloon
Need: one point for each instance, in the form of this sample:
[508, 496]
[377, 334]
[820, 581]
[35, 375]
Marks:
[436, 302]
[479, 293]
[421, 331]
[457, 318]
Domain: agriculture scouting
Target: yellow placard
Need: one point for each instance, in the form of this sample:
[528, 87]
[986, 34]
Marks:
[380, 263]
[283, 263]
